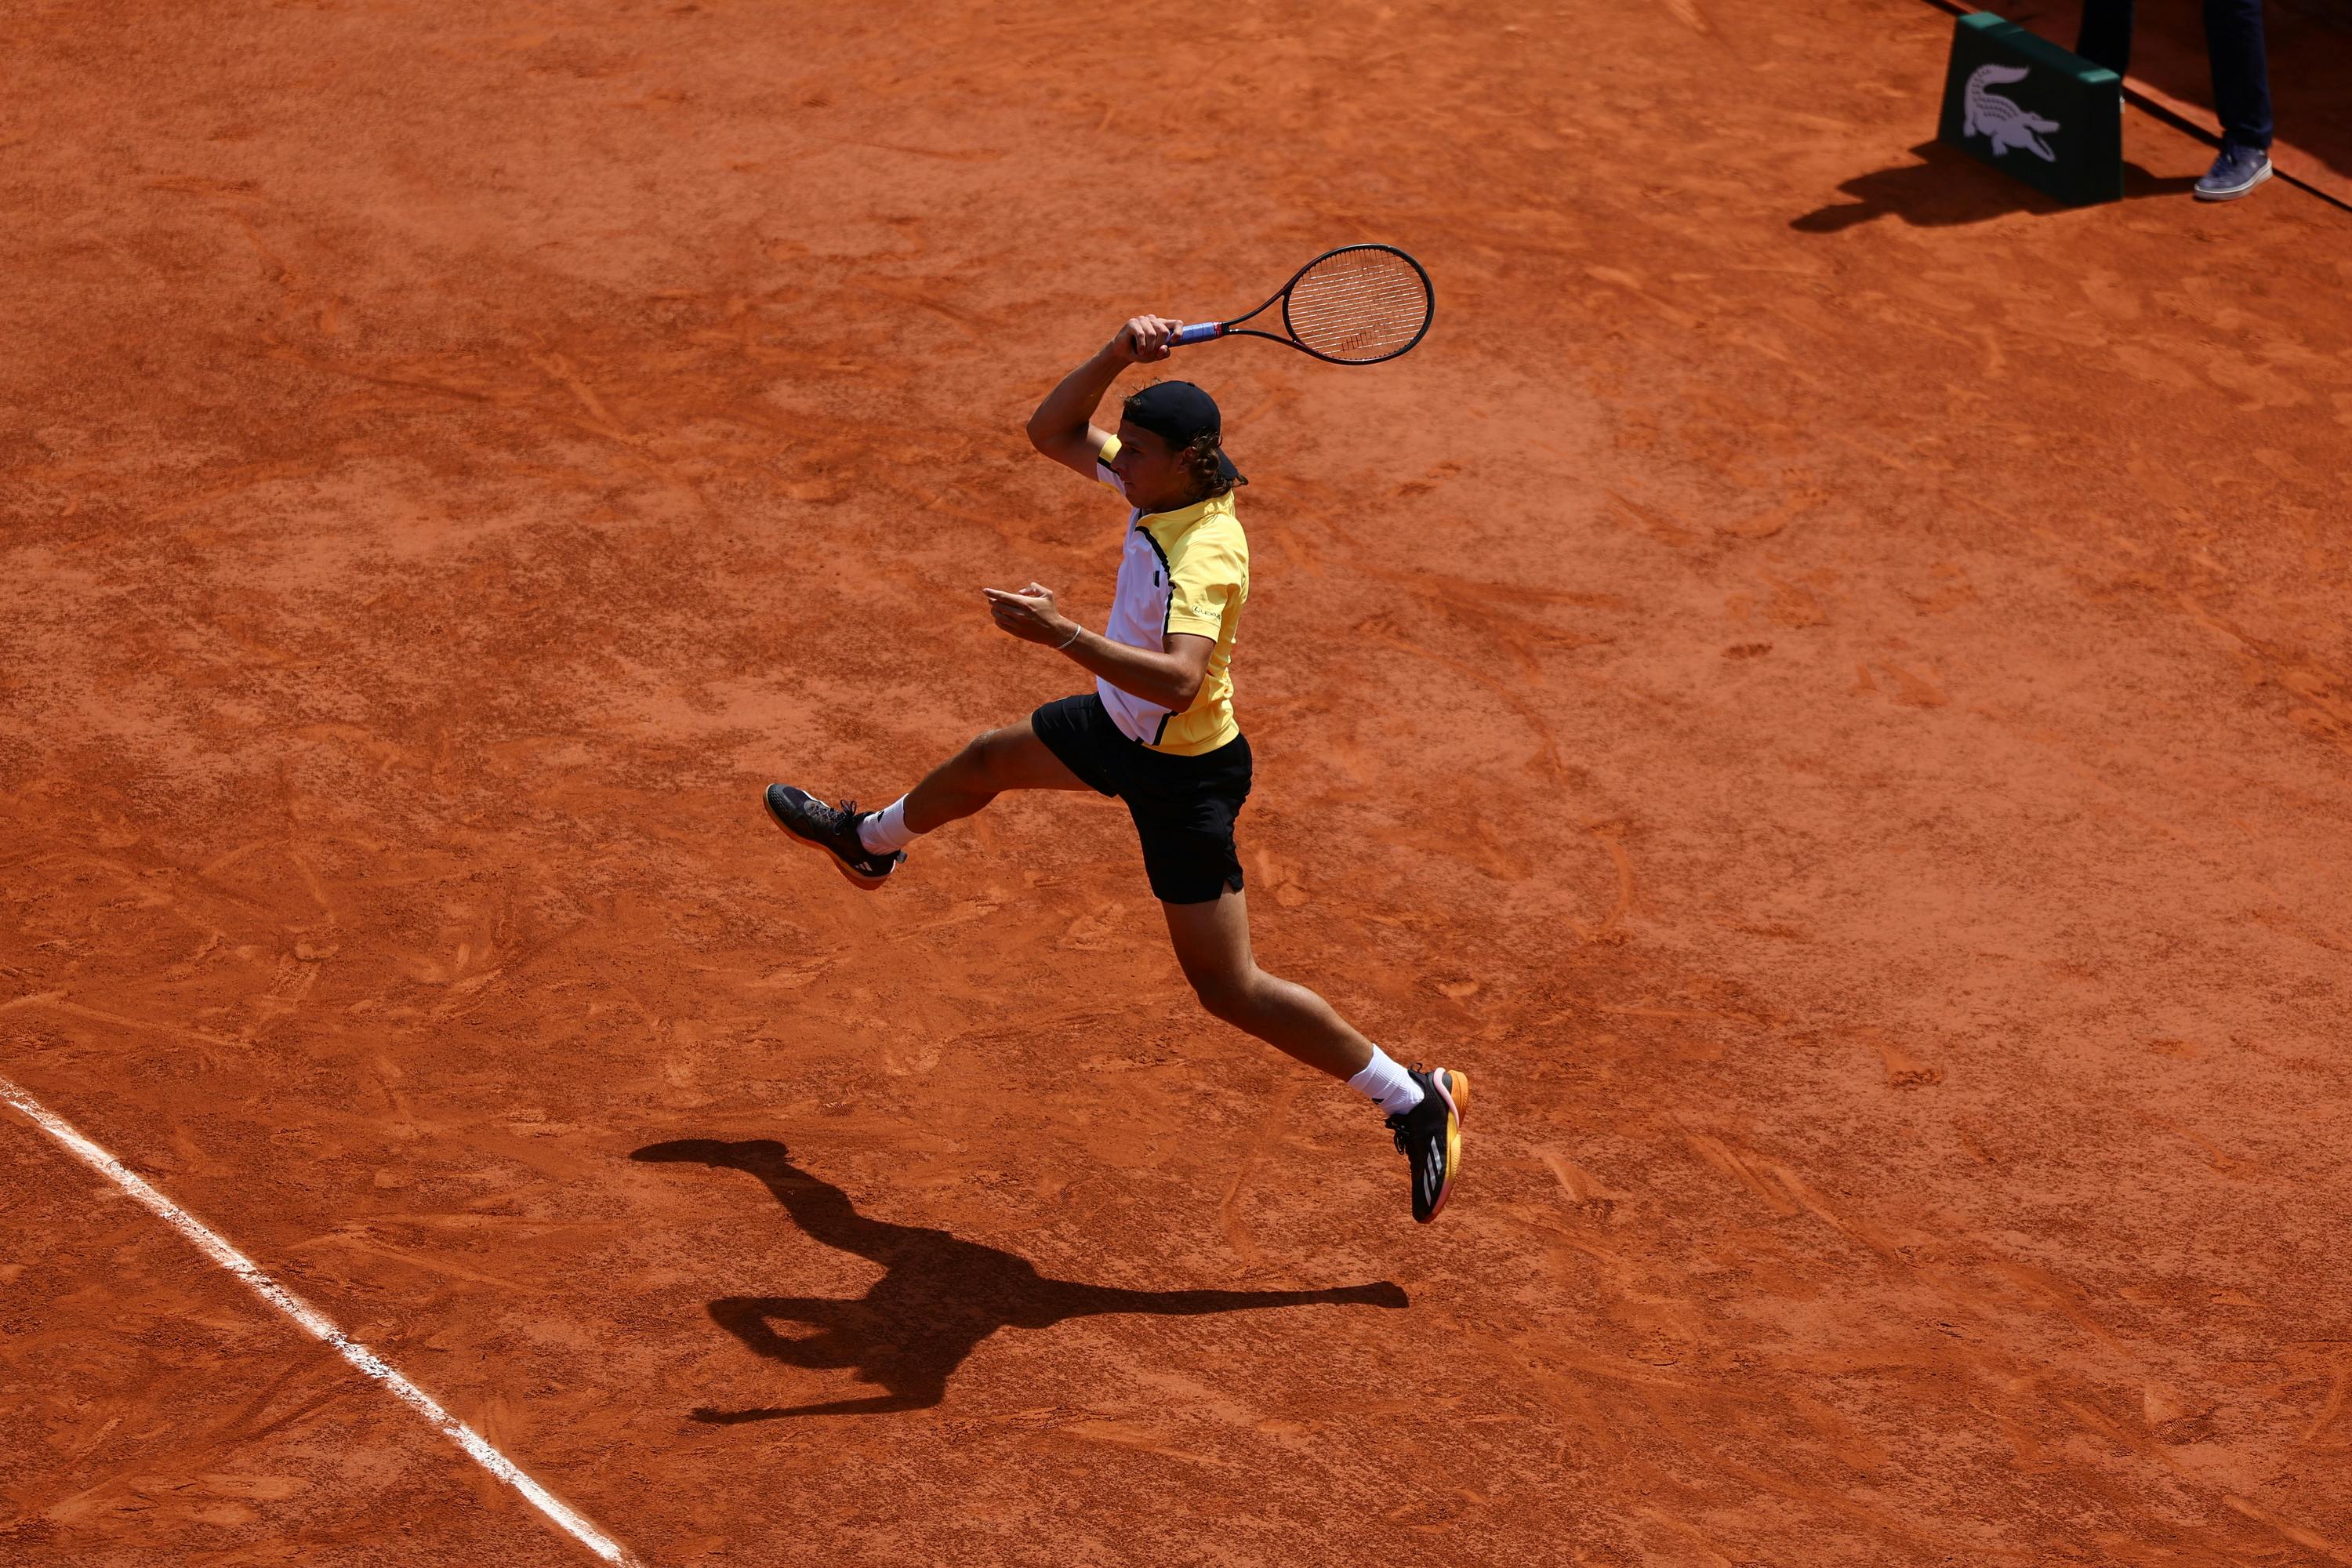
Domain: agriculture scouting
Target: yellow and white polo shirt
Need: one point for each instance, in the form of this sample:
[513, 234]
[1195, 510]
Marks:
[1182, 570]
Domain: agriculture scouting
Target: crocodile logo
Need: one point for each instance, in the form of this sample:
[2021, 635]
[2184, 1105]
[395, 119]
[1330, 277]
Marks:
[2009, 125]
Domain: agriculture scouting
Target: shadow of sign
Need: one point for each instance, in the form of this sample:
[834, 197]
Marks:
[940, 1296]
[1945, 186]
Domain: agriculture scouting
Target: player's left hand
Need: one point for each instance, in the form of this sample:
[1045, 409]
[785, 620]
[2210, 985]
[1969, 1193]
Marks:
[1029, 615]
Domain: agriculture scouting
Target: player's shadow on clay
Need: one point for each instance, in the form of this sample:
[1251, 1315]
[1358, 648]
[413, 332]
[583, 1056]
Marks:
[1946, 187]
[938, 1297]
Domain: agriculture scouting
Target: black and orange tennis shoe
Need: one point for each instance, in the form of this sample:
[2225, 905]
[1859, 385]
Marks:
[1430, 1137]
[833, 830]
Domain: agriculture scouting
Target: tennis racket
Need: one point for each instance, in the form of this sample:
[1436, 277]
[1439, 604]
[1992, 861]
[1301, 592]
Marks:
[1360, 304]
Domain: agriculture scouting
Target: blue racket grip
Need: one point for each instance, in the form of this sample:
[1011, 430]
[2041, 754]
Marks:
[1199, 333]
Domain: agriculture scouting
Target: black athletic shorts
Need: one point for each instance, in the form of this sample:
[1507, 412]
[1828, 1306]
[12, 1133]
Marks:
[1184, 807]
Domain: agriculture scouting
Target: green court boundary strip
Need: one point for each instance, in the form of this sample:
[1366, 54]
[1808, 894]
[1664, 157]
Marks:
[2158, 109]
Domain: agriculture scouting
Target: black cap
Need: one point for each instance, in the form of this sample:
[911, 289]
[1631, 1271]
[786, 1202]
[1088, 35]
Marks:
[1179, 414]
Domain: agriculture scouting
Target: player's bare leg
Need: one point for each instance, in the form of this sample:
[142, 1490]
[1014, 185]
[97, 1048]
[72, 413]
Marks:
[1212, 947]
[1010, 758]
[1425, 1107]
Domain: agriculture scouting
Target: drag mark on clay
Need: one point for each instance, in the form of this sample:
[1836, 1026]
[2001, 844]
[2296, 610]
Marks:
[363, 1243]
[1584, 1190]
[55, 1001]
[949, 155]
[1863, 1235]
[1725, 1161]
[2333, 1408]
[1902, 1070]
[2222, 1164]
[1607, 931]
[560, 369]
[964, 912]
[1634, 284]
[1618, 1370]
[2148, 1447]
[150, 1491]
[1667, 530]
[2060, 1293]
[1913, 690]
[1128, 1434]
[315, 1323]
[1687, 12]
[2288, 1528]
[1764, 525]
[203, 185]
[1229, 1213]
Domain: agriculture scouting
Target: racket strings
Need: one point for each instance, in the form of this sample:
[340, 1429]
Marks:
[1362, 305]
[1364, 315]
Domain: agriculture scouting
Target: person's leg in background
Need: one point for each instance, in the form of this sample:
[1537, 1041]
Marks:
[2241, 77]
[2106, 36]
[2241, 97]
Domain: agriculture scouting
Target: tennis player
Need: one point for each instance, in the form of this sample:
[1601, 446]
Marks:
[1158, 731]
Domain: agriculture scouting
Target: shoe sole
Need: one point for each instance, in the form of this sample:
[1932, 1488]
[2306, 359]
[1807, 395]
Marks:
[1455, 1088]
[855, 878]
[2235, 192]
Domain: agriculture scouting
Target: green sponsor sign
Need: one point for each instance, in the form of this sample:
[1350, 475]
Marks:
[2032, 110]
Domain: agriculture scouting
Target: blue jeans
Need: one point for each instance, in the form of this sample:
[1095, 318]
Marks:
[2233, 43]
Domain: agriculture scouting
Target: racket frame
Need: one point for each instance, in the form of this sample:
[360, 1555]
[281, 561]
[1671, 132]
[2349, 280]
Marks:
[1207, 332]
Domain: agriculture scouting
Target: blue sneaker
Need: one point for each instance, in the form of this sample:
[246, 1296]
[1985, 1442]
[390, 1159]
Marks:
[2234, 173]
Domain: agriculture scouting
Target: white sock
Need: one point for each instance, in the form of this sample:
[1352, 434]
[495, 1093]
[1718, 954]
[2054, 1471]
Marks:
[887, 831]
[1385, 1085]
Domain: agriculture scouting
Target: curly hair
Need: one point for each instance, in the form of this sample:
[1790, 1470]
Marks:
[1209, 479]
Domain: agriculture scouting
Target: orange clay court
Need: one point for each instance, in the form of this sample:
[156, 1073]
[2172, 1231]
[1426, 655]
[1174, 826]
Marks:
[1824, 684]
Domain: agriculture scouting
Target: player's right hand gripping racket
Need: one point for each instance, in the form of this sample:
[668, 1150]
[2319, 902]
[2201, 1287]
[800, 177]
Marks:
[1360, 304]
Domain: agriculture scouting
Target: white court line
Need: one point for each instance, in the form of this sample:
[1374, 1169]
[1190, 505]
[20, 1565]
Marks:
[319, 1324]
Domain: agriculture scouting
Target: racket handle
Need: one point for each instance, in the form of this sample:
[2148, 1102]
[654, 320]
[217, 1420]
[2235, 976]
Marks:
[1199, 333]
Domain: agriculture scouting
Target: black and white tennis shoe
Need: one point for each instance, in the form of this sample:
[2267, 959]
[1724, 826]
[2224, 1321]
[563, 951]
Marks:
[1430, 1137]
[834, 830]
